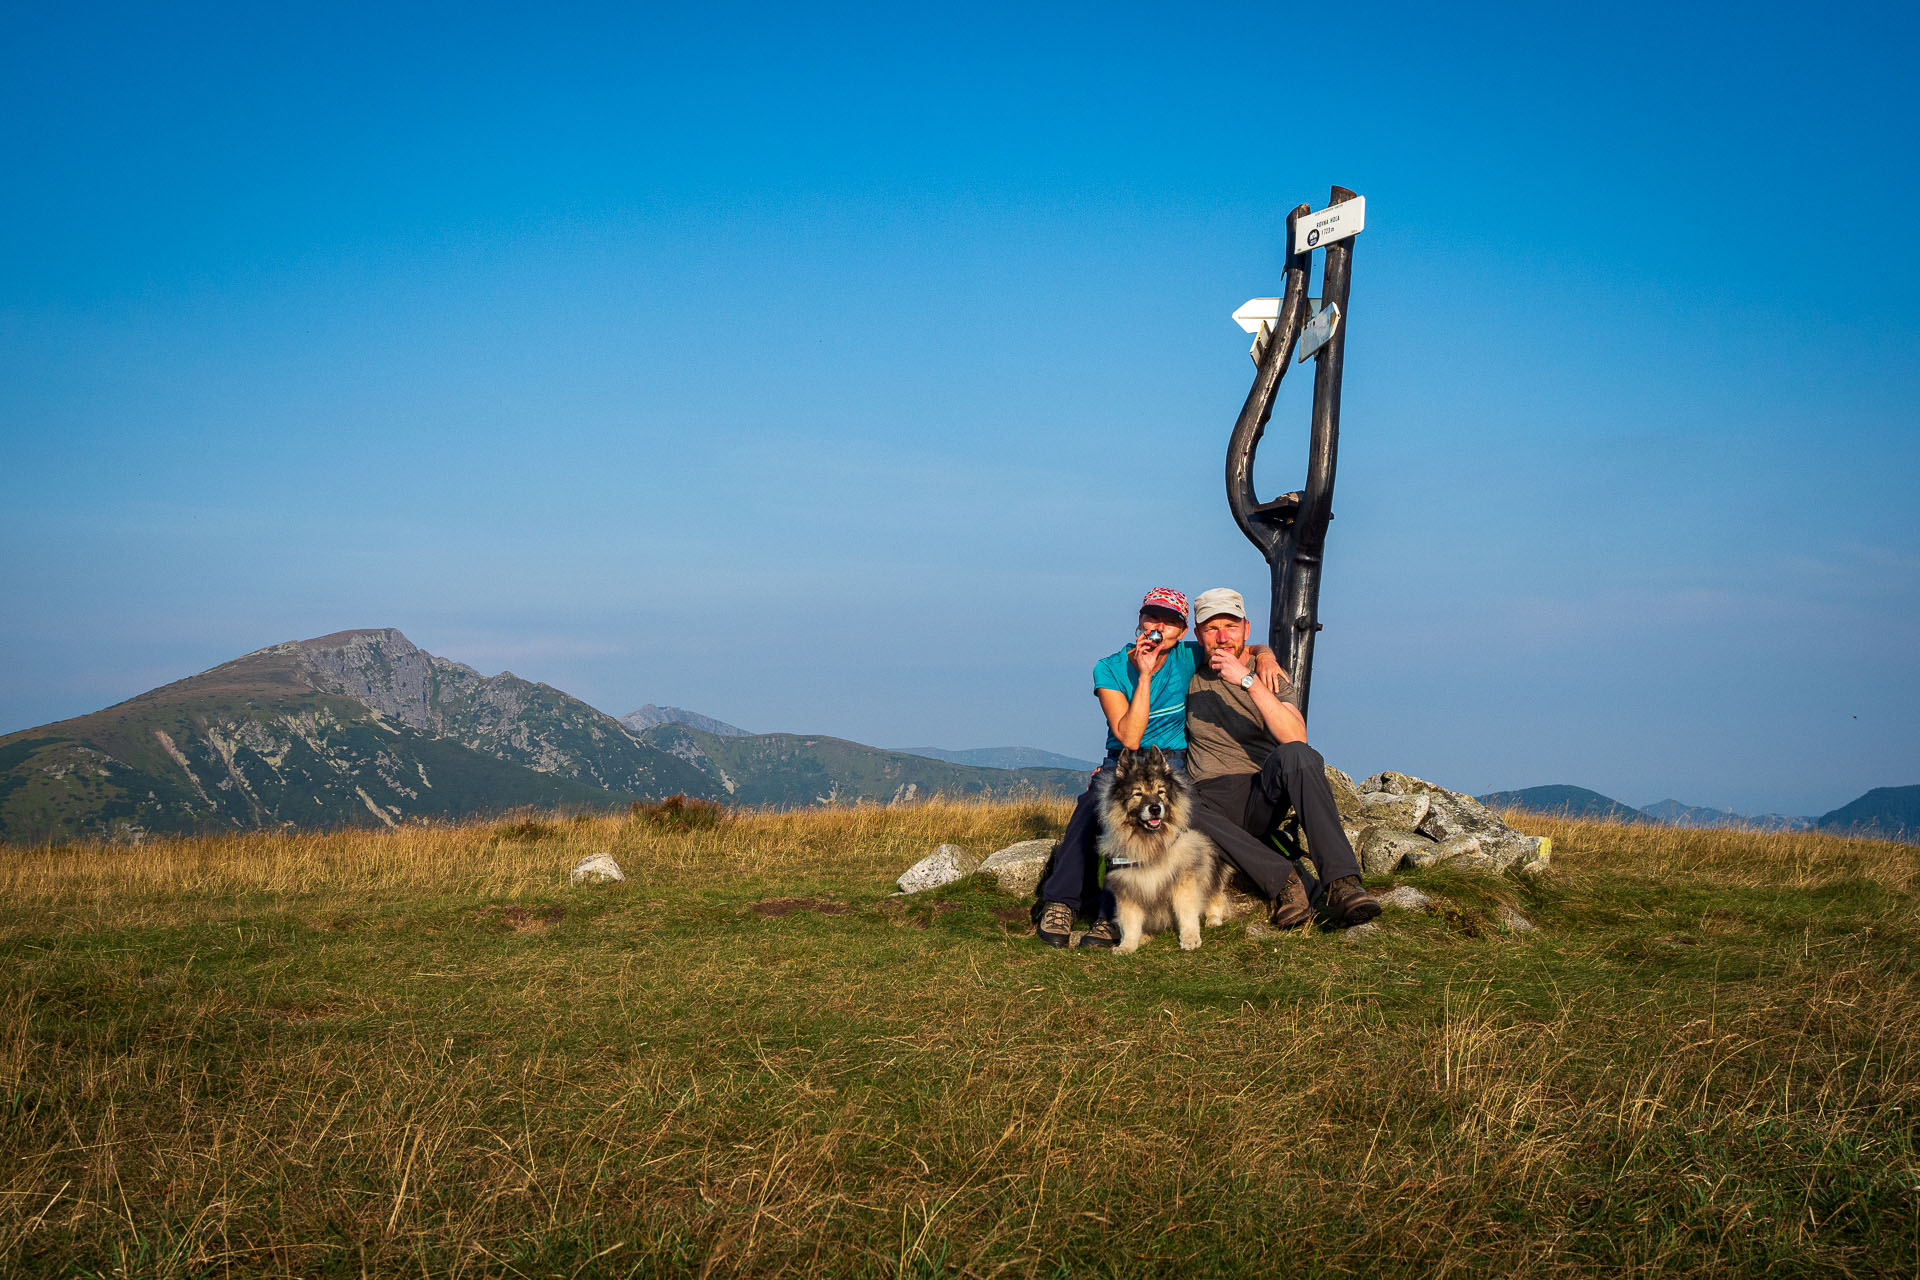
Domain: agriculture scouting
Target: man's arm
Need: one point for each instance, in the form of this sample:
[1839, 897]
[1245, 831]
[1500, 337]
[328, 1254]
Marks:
[1282, 719]
[1266, 668]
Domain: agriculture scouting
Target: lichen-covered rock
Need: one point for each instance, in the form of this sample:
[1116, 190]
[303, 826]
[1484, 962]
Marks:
[1362, 932]
[598, 869]
[1018, 867]
[1388, 809]
[1405, 898]
[1466, 832]
[1347, 800]
[1395, 784]
[1383, 848]
[943, 866]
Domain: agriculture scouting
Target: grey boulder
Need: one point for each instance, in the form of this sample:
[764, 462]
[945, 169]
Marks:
[943, 866]
[1018, 867]
[598, 869]
[1405, 812]
[1384, 848]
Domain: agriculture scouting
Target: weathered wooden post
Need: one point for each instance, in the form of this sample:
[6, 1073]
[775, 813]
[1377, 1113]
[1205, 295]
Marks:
[1291, 530]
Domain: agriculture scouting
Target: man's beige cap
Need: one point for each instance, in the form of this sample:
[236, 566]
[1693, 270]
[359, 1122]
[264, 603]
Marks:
[1217, 601]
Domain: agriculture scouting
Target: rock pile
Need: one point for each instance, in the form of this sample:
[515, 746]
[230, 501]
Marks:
[1399, 822]
[1395, 821]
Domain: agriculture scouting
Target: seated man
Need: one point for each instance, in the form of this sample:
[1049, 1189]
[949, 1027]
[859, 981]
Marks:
[1248, 757]
[1148, 712]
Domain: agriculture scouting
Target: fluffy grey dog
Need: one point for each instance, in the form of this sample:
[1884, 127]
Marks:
[1162, 872]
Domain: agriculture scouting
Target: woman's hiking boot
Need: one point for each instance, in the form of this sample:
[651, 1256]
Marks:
[1350, 902]
[1291, 909]
[1056, 924]
[1104, 935]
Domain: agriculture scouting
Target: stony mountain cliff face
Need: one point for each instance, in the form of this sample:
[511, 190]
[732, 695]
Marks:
[503, 716]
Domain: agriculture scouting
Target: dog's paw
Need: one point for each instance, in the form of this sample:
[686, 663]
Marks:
[1128, 947]
[1190, 941]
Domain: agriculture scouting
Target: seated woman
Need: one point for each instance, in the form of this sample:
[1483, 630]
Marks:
[1150, 712]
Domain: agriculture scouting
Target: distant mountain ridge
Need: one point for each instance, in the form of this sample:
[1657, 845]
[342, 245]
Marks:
[790, 768]
[649, 716]
[1889, 813]
[364, 727]
[1564, 801]
[1004, 758]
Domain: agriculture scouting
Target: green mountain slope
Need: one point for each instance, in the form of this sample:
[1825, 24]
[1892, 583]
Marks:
[1564, 801]
[1891, 812]
[785, 769]
[363, 727]
[1004, 758]
[249, 744]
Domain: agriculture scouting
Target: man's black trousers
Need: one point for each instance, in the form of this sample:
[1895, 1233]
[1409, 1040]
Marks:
[1239, 811]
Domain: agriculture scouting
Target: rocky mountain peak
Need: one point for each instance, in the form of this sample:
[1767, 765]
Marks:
[379, 667]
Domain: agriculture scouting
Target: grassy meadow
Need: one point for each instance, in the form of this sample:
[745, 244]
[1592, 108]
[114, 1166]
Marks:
[422, 1052]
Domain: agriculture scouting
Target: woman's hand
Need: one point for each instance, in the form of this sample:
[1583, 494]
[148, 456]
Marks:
[1270, 672]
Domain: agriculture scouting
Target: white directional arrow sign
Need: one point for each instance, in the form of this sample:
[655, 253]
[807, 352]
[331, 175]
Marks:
[1257, 311]
[1335, 222]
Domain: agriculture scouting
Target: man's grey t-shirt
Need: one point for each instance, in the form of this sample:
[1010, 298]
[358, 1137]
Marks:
[1225, 734]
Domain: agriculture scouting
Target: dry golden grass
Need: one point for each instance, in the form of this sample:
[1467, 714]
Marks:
[421, 1052]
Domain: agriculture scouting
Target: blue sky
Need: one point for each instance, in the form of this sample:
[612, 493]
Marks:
[855, 370]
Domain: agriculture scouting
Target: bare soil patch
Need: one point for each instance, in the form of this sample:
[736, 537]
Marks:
[523, 919]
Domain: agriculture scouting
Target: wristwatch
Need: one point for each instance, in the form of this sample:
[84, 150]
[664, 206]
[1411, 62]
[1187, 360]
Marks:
[1246, 681]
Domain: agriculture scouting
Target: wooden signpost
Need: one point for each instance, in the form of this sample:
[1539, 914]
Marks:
[1291, 530]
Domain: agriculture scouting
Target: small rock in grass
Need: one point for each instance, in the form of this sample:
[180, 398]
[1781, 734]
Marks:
[943, 866]
[598, 869]
[1406, 898]
[1513, 922]
[1018, 867]
[1361, 932]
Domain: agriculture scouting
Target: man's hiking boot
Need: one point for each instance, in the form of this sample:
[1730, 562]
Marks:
[1105, 935]
[1351, 903]
[1056, 925]
[1291, 909]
